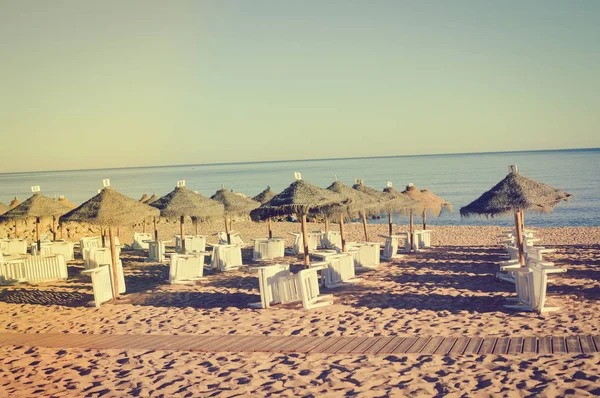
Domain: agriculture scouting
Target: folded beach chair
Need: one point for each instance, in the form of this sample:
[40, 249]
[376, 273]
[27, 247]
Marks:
[331, 239]
[140, 240]
[268, 249]
[314, 239]
[157, 250]
[226, 257]
[186, 268]
[193, 243]
[366, 255]
[338, 271]
[266, 280]
[392, 243]
[102, 282]
[34, 269]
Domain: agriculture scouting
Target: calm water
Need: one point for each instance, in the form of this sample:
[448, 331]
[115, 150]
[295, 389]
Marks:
[459, 179]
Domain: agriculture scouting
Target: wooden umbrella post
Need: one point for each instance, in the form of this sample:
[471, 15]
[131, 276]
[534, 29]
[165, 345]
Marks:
[119, 232]
[155, 231]
[519, 238]
[326, 224]
[195, 219]
[113, 256]
[411, 232]
[53, 228]
[342, 233]
[269, 227]
[390, 223]
[424, 220]
[305, 241]
[181, 222]
[62, 229]
[144, 230]
[364, 221]
[103, 236]
[227, 232]
[37, 235]
[16, 231]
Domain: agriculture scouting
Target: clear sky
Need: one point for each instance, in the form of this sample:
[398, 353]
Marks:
[93, 84]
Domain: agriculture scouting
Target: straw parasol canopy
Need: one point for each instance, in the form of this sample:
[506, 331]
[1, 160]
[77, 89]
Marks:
[37, 206]
[3, 208]
[264, 196]
[358, 202]
[299, 198]
[14, 203]
[144, 198]
[64, 201]
[428, 199]
[390, 201]
[152, 199]
[182, 203]
[235, 204]
[515, 193]
[114, 209]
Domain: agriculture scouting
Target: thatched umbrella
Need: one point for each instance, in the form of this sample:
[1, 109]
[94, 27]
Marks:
[152, 199]
[37, 206]
[64, 201]
[144, 198]
[515, 194]
[3, 208]
[235, 205]
[263, 198]
[299, 198]
[14, 203]
[428, 200]
[113, 209]
[181, 203]
[359, 204]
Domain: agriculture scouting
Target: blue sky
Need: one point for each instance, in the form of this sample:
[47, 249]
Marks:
[134, 83]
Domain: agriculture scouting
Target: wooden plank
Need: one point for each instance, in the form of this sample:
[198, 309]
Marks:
[391, 345]
[217, 344]
[379, 344]
[487, 345]
[272, 343]
[405, 345]
[515, 346]
[352, 345]
[201, 342]
[501, 347]
[474, 345]
[558, 345]
[365, 345]
[597, 342]
[286, 342]
[460, 345]
[446, 346]
[418, 346]
[310, 344]
[573, 345]
[587, 344]
[432, 345]
[341, 343]
[529, 345]
[299, 343]
[545, 345]
[153, 342]
[327, 342]
[236, 343]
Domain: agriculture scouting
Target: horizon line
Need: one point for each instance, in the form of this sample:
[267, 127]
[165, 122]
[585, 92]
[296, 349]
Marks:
[304, 160]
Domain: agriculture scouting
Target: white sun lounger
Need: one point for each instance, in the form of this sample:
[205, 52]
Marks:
[34, 269]
[234, 236]
[339, 270]
[268, 249]
[140, 240]
[102, 282]
[226, 257]
[266, 279]
[193, 243]
[331, 239]
[186, 268]
[314, 239]
[366, 255]
[157, 250]
[392, 243]
[13, 246]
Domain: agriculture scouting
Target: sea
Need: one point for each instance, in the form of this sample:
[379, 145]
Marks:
[458, 178]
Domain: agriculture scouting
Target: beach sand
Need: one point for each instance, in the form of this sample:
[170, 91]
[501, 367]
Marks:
[449, 290]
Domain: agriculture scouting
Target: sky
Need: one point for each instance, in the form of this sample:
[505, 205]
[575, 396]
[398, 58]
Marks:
[137, 83]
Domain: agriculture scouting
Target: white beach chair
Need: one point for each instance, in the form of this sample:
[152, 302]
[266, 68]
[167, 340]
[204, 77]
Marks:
[193, 243]
[102, 282]
[186, 268]
[235, 239]
[366, 255]
[308, 287]
[339, 270]
[140, 240]
[423, 237]
[97, 256]
[314, 239]
[33, 269]
[331, 239]
[268, 249]
[226, 257]
[157, 250]
[14, 246]
[390, 248]
[266, 279]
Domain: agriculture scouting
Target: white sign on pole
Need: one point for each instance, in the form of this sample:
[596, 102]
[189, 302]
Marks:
[180, 183]
[106, 182]
[297, 175]
[388, 184]
[35, 189]
[99, 190]
[513, 168]
[410, 184]
[358, 181]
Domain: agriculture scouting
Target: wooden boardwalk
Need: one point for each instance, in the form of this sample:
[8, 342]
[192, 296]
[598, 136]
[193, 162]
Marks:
[313, 345]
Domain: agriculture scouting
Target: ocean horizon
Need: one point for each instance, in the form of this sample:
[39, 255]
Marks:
[457, 177]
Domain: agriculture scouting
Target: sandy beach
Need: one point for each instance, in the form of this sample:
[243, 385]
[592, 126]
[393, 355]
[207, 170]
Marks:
[449, 290]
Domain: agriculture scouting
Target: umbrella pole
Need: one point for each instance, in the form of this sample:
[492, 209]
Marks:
[269, 227]
[411, 231]
[342, 233]
[519, 238]
[62, 229]
[424, 220]
[155, 231]
[118, 232]
[144, 230]
[16, 231]
[196, 225]
[113, 256]
[305, 239]
[37, 235]
[364, 221]
[326, 224]
[53, 227]
[390, 223]
[227, 232]
[103, 236]
[181, 222]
